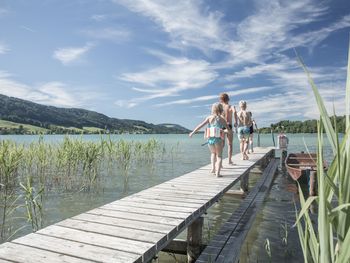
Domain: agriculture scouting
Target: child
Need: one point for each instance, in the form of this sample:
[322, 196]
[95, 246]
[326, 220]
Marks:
[215, 134]
[251, 133]
[228, 113]
[244, 121]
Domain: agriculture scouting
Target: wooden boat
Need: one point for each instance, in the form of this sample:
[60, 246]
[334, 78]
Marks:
[298, 164]
[303, 167]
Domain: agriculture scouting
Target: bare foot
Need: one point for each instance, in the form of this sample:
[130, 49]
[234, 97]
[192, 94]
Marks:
[212, 171]
[218, 175]
[246, 157]
[231, 163]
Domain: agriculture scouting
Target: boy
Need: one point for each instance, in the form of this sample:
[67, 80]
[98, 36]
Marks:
[228, 113]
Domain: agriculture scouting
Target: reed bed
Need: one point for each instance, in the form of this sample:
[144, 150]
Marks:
[328, 239]
[30, 173]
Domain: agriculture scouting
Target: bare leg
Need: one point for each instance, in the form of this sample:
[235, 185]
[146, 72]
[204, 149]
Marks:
[229, 143]
[250, 150]
[241, 147]
[218, 148]
[212, 157]
[245, 148]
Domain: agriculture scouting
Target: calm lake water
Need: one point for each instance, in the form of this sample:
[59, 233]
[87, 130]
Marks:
[273, 222]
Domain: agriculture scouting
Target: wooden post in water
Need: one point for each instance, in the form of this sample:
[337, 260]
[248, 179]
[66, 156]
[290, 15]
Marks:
[312, 183]
[245, 182]
[283, 158]
[194, 240]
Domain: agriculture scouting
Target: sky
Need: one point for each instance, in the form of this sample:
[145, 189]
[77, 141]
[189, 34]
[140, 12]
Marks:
[166, 61]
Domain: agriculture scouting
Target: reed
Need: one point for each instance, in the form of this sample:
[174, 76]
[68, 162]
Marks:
[30, 173]
[10, 156]
[329, 240]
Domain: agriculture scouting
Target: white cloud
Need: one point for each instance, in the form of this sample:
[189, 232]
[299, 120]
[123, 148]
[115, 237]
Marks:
[116, 35]
[28, 29]
[174, 75]
[50, 93]
[216, 96]
[99, 17]
[71, 54]
[3, 48]
[187, 22]
[257, 43]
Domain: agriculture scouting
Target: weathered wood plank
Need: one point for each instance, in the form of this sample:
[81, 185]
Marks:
[76, 249]
[116, 231]
[127, 223]
[26, 254]
[137, 217]
[156, 207]
[107, 241]
[160, 202]
[144, 211]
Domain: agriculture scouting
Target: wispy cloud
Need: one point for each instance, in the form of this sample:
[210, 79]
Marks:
[71, 54]
[232, 94]
[3, 48]
[174, 75]
[99, 17]
[28, 29]
[112, 34]
[51, 93]
[188, 23]
[3, 11]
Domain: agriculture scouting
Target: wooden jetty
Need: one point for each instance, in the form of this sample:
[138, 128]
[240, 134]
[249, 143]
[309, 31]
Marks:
[137, 227]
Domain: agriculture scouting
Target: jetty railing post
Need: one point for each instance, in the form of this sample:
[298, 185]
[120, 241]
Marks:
[194, 239]
[312, 183]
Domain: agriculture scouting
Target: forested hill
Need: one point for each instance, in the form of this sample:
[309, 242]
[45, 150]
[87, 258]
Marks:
[62, 120]
[308, 126]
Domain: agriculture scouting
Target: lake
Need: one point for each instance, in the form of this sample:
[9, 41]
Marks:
[181, 154]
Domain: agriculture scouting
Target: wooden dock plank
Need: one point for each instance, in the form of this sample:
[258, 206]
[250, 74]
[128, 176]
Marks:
[160, 202]
[147, 211]
[177, 208]
[107, 241]
[26, 254]
[133, 216]
[127, 223]
[116, 231]
[76, 249]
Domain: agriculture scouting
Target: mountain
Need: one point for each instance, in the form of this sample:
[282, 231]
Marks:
[74, 120]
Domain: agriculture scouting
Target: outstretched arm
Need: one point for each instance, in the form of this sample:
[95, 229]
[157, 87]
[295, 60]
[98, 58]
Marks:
[199, 126]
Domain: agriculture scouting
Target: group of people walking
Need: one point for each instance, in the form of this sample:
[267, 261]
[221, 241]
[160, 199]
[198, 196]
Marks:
[220, 123]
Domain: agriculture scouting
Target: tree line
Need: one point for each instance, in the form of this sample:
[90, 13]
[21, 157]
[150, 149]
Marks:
[307, 126]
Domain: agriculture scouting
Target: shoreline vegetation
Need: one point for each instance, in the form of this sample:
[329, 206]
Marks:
[32, 174]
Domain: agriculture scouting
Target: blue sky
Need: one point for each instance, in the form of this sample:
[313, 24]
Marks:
[167, 61]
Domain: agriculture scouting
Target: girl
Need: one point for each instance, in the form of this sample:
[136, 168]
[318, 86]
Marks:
[244, 121]
[215, 134]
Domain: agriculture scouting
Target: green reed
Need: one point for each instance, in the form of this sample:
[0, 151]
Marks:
[10, 156]
[29, 173]
[329, 241]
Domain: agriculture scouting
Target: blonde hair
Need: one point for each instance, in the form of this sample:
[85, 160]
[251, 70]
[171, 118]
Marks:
[243, 104]
[217, 109]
